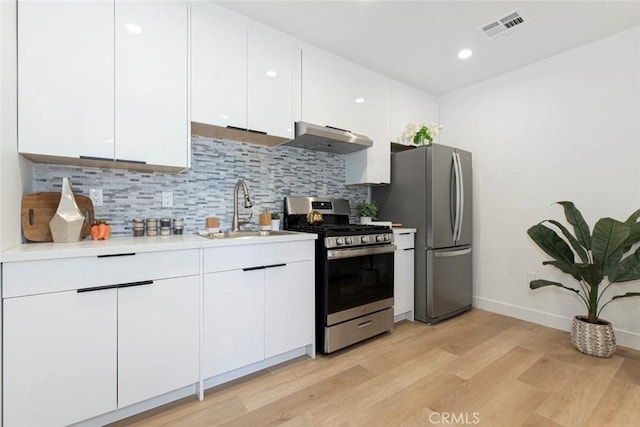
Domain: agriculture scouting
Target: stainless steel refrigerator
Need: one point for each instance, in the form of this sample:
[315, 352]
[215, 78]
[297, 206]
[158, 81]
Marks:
[431, 189]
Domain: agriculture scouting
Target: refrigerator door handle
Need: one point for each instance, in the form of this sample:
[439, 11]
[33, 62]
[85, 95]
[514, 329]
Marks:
[452, 202]
[446, 254]
[461, 187]
[456, 187]
[456, 170]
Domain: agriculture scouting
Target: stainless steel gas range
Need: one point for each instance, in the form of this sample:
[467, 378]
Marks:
[354, 271]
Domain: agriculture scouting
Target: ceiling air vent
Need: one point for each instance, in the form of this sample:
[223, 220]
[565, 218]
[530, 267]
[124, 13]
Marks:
[505, 25]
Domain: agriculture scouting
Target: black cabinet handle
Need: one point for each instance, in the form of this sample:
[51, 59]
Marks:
[107, 159]
[262, 267]
[97, 288]
[141, 283]
[403, 234]
[246, 130]
[114, 255]
[96, 158]
[139, 162]
[121, 285]
[408, 249]
[275, 265]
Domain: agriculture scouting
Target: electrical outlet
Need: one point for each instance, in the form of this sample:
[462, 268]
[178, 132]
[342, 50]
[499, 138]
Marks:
[531, 276]
[95, 194]
[167, 199]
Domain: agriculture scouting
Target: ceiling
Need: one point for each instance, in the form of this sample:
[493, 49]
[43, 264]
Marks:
[417, 42]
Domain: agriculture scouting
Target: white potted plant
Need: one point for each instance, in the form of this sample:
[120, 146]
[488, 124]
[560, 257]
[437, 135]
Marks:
[420, 136]
[367, 211]
[275, 221]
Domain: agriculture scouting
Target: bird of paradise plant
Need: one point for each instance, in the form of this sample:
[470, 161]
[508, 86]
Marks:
[596, 260]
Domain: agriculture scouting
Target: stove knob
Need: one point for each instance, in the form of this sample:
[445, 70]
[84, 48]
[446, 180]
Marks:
[364, 239]
[348, 240]
[339, 241]
[379, 238]
[386, 237]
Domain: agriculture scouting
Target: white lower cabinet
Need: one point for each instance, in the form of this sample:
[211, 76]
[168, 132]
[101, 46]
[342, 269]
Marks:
[289, 305]
[84, 337]
[403, 293]
[234, 319]
[71, 355]
[260, 305]
[158, 338]
[59, 357]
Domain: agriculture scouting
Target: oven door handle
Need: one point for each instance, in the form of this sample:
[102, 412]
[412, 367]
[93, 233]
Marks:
[356, 252]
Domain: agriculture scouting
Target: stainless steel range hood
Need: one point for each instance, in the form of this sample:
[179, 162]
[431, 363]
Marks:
[324, 138]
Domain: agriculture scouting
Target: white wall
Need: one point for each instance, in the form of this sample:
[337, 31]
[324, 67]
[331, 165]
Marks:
[15, 172]
[565, 128]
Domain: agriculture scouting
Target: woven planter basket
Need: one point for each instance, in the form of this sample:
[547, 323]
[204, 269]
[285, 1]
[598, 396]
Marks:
[593, 339]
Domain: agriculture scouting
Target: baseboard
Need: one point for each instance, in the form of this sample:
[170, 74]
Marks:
[191, 390]
[403, 316]
[241, 372]
[122, 413]
[623, 338]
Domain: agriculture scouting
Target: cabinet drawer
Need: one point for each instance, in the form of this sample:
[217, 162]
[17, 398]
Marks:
[36, 277]
[404, 240]
[248, 256]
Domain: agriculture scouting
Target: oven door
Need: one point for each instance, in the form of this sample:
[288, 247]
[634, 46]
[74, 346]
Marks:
[359, 281]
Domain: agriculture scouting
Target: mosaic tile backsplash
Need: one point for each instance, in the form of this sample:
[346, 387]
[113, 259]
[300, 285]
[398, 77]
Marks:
[205, 190]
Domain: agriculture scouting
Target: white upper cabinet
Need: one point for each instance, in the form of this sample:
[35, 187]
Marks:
[218, 68]
[365, 96]
[65, 78]
[151, 84]
[321, 102]
[104, 80]
[338, 93]
[409, 105]
[365, 101]
[243, 74]
[270, 82]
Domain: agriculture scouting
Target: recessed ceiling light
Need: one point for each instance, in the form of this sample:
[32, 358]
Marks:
[359, 100]
[271, 73]
[224, 116]
[133, 28]
[465, 53]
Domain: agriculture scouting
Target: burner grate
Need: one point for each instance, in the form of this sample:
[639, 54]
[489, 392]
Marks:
[341, 230]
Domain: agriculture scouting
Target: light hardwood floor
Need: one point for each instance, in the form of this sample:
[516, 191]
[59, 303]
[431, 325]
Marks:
[477, 369]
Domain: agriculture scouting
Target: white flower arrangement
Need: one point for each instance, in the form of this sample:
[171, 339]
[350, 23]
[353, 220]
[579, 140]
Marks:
[422, 135]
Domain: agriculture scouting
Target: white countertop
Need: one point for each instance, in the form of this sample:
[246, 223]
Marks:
[397, 230]
[115, 245]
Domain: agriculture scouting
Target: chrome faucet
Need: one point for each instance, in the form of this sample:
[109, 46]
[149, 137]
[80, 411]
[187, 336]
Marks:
[235, 226]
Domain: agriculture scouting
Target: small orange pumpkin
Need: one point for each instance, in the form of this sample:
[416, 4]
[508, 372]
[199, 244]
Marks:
[100, 230]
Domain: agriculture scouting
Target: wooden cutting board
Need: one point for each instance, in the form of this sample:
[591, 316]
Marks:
[39, 208]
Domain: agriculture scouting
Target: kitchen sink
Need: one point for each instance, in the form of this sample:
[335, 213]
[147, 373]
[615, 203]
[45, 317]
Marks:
[247, 233]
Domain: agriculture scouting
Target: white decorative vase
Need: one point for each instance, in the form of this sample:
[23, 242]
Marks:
[68, 222]
[275, 224]
[365, 219]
